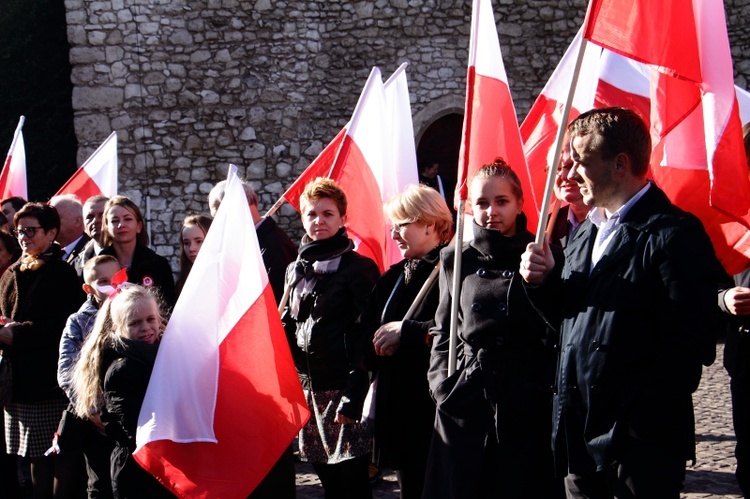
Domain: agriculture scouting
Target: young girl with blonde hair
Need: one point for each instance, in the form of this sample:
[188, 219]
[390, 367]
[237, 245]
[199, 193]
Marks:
[111, 377]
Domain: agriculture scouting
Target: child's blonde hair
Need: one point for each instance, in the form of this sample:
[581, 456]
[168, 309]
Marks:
[111, 319]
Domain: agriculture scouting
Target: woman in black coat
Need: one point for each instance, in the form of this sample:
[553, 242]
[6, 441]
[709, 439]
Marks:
[328, 288]
[398, 348]
[37, 294]
[124, 236]
[492, 429]
[111, 378]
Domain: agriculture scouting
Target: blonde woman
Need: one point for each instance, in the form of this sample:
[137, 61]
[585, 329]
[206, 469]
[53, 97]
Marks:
[398, 348]
[124, 236]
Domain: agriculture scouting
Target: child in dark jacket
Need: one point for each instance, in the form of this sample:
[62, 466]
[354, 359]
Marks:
[79, 435]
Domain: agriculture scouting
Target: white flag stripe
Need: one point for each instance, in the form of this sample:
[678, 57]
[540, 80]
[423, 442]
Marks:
[489, 60]
[101, 166]
[224, 282]
[17, 183]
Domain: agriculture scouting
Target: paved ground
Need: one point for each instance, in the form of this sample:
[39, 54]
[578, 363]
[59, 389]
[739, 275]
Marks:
[711, 477]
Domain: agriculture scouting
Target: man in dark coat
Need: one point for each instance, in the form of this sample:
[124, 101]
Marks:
[636, 297]
[734, 300]
[71, 237]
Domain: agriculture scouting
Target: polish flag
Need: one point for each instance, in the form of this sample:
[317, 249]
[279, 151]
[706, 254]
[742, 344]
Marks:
[98, 175]
[490, 123]
[606, 79]
[698, 156]
[609, 79]
[224, 400]
[373, 158]
[13, 176]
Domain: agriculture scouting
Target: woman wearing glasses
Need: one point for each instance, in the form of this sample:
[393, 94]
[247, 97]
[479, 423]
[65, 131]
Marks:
[398, 350]
[37, 294]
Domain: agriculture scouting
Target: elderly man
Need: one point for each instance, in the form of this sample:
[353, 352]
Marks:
[71, 236]
[93, 210]
[636, 298]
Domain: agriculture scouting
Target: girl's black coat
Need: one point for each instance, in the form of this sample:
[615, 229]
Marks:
[502, 382]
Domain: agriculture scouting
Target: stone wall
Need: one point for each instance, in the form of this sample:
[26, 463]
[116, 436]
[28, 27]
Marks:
[193, 85]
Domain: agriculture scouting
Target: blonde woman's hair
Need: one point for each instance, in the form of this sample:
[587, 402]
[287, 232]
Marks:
[323, 187]
[115, 314]
[419, 203]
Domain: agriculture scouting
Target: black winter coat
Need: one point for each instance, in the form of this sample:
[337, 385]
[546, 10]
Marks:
[150, 270]
[325, 344]
[635, 332]
[40, 301]
[737, 346]
[278, 251]
[500, 391]
[404, 410]
[126, 372]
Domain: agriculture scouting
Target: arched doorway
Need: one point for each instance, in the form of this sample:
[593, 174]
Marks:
[440, 143]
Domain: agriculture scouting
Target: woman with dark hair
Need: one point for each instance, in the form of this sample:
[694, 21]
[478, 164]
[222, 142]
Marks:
[328, 287]
[493, 424]
[194, 230]
[398, 347]
[37, 294]
[124, 236]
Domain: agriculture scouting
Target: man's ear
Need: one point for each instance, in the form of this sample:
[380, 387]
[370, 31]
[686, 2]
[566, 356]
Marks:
[622, 163]
[87, 289]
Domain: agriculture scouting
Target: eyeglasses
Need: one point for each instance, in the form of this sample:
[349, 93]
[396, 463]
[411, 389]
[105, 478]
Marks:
[399, 227]
[26, 231]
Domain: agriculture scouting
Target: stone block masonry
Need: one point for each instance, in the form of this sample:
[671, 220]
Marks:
[193, 85]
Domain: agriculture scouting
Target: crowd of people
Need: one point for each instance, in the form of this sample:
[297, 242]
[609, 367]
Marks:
[571, 375]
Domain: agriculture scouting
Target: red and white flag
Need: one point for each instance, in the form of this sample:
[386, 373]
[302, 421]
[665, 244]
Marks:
[698, 156]
[605, 79]
[490, 123]
[373, 158]
[224, 400]
[98, 175]
[13, 176]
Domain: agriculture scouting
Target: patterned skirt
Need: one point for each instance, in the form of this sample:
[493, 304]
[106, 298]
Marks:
[324, 441]
[30, 426]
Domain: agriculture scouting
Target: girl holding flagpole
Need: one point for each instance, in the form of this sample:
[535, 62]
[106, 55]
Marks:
[325, 291]
[492, 428]
[111, 377]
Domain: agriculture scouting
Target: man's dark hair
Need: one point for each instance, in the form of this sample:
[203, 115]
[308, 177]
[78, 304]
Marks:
[16, 202]
[620, 130]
